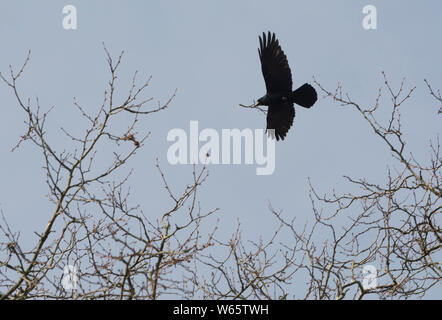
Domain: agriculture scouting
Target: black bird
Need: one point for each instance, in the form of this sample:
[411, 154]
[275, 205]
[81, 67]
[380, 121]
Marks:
[278, 79]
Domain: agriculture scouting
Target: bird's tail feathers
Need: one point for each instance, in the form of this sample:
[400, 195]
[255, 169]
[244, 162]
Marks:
[305, 96]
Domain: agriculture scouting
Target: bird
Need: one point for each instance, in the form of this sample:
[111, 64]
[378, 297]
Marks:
[278, 80]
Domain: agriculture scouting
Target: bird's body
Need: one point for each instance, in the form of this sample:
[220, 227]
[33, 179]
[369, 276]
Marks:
[273, 98]
[278, 79]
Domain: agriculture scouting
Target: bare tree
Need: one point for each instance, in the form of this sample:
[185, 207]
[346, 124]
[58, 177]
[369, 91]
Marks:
[119, 252]
[384, 241]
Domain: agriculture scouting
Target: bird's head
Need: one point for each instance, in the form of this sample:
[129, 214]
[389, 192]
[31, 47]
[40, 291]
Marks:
[262, 101]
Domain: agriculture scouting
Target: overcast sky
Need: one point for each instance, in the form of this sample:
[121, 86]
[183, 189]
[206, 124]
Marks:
[208, 51]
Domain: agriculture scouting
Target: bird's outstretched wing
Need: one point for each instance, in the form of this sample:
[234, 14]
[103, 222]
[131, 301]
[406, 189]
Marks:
[280, 118]
[274, 65]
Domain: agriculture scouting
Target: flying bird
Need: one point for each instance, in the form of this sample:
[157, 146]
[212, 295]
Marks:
[278, 79]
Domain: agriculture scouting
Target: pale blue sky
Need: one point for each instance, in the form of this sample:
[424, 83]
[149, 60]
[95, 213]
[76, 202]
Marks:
[208, 50]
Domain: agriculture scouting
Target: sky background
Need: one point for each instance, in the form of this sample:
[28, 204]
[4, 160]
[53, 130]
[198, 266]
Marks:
[208, 51]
